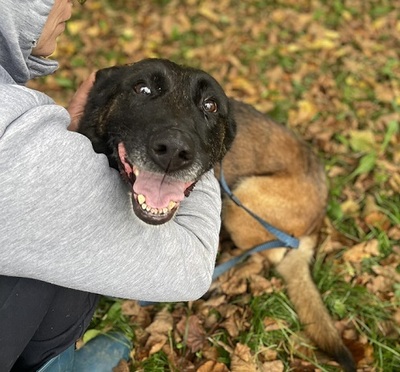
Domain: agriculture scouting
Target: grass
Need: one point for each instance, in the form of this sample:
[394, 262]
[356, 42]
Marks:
[366, 311]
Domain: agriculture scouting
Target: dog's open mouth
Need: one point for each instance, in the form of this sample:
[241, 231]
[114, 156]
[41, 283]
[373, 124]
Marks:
[155, 196]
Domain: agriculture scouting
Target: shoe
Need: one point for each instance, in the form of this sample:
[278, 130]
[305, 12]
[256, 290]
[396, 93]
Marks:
[102, 353]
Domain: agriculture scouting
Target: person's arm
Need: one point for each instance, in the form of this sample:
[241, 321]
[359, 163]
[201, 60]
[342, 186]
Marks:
[66, 218]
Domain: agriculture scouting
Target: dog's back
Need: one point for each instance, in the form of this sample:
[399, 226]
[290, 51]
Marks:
[279, 178]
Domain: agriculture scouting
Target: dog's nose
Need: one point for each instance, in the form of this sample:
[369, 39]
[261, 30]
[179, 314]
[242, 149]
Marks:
[172, 150]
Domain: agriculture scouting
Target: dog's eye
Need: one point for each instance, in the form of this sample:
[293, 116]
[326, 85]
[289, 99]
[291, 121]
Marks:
[142, 88]
[210, 106]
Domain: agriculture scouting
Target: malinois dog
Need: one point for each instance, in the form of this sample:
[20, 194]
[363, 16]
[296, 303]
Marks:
[157, 120]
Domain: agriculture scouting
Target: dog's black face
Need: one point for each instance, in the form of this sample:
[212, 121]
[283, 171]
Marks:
[163, 126]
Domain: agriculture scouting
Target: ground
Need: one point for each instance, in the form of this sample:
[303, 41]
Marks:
[330, 70]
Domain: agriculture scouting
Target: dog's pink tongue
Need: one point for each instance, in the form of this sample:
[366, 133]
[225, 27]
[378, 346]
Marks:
[159, 189]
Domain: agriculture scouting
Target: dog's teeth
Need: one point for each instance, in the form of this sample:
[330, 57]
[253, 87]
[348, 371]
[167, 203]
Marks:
[136, 172]
[141, 199]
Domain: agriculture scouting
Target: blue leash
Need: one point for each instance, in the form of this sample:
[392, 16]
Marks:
[283, 239]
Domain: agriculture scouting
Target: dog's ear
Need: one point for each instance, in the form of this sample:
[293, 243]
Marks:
[105, 74]
[105, 85]
[93, 123]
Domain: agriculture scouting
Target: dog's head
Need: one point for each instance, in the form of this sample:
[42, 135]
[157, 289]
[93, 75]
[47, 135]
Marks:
[163, 125]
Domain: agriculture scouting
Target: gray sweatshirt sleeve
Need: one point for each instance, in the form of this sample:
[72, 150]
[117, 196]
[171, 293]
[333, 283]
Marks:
[66, 218]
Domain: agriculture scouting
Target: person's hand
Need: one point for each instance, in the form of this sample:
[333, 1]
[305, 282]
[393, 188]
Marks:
[78, 101]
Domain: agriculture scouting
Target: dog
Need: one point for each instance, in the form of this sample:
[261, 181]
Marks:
[164, 125]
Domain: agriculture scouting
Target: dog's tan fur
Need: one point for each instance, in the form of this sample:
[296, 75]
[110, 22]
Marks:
[272, 172]
[278, 177]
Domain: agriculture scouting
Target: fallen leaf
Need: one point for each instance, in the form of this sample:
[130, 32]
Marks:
[212, 366]
[268, 354]
[378, 220]
[274, 366]
[242, 360]
[192, 332]
[233, 325]
[363, 250]
[122, 366]
[138, 315]
[260, 285]
[350, 207]
[234, 286]
[362, 140]
[273, 324]
[159, 330]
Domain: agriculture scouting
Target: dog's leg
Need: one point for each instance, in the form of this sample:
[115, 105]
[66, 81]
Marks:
[295, 270]
[281, 201]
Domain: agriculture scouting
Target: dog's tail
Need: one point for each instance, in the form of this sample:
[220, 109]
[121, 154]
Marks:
[307, 301]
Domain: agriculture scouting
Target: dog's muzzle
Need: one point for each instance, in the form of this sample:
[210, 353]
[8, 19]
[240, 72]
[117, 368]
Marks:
[155, 196]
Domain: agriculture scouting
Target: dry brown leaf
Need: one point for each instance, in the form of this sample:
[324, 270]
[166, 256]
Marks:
[274, 366]
[138, 315]
[242, 360]
[243, 85]
[232, 325]
[384, 93]
[213, 366]
[210, 352]
[215, 301]
[235, 319]
[156, 342]
[378, 219]
[122, 366]
[385, 280]
[267, 354]
[208, 13]
[273, 324]
[363, 250]
[301, 345]
[363, 353]
[350, 207]
[130, 308]
[211, 320]
[394, 233]
[234, 286]
[227, 310]
[306, 111]
[260, 285]
[158, 330]
[192, 332]
[302, 366]
[380, 283]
